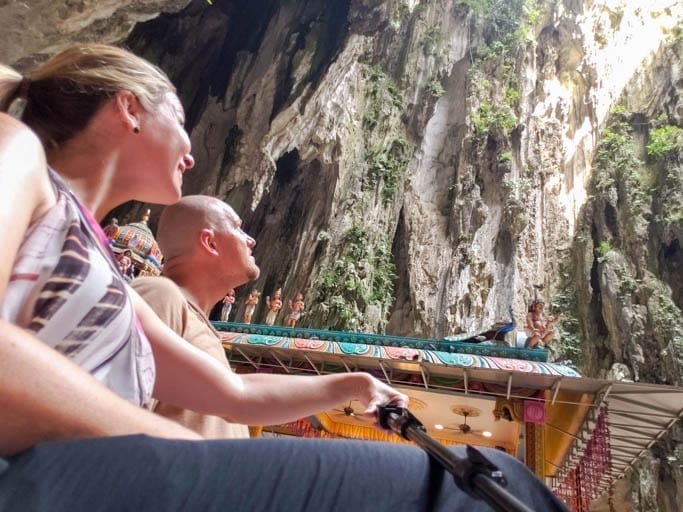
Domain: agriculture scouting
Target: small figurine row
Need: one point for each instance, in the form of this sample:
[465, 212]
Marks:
[274, 305]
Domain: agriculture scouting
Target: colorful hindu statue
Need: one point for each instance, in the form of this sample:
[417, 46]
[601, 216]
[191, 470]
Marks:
[251, 302]
[274, 306]
[296, 309]
[226, 308]
[540, 329]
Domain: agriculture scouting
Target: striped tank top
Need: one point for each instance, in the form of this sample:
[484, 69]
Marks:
[66, 289]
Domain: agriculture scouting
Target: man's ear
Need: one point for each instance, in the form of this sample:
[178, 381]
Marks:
[129, 110]
[207, 241]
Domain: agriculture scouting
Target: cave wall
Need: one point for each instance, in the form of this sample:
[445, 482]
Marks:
[463, 148]
[447, 145]
[628, 271]
[32, 31]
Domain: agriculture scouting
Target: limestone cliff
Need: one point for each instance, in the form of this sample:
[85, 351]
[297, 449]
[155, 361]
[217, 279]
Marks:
[31, 31]
[422, 167]
[447, 142]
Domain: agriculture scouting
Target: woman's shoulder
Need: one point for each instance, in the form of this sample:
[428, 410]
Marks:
[21, 152]
[16, 136]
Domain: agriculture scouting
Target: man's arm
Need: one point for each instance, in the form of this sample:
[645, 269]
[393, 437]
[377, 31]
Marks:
[191, 379]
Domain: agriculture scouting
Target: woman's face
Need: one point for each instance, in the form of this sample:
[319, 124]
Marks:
[164, 151]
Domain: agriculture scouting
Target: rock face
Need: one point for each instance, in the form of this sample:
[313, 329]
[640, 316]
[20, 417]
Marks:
[447, 145]
[421, 168]
[36, 29]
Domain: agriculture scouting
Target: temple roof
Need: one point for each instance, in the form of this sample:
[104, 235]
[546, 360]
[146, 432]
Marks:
[138, 238]
[578, 415]
[459, 344]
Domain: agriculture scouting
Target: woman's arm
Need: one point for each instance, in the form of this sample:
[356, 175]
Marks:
[43, 395]
[191, 379]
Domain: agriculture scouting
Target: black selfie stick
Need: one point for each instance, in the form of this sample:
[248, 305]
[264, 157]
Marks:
[475, 474]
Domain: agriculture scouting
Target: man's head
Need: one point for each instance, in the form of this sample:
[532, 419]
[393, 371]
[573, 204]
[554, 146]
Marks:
[204, 234]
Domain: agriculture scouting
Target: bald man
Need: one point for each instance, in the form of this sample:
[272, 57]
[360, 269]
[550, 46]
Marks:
[205, 253]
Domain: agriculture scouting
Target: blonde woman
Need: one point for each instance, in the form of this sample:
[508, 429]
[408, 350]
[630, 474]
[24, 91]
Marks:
[81, 355]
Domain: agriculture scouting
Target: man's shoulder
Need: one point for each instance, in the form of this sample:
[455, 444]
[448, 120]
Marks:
[165, 298]
[149, 286]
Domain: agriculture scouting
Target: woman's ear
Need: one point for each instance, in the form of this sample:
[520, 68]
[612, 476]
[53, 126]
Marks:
[207, 241]
[128, 109]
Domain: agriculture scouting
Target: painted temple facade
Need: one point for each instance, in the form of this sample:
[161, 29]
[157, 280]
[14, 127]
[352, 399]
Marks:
[579, 435]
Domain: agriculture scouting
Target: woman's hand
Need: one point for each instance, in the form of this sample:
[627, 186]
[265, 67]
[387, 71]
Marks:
[378, 393]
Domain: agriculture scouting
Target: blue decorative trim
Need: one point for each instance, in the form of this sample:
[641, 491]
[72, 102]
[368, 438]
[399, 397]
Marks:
[458, 348]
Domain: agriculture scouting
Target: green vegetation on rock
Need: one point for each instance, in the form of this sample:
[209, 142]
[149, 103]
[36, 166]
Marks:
[496, 120]
[664, 152]
[435, 88]
[323, 237]
[493, 90]
[362, 275]
[617, 171]
[431, 41]
[383, 96]
[505, 21]
[636, 198]
[387, 151]
[388, 165]
[668, 322]
[666, 143]
[602, 250]
[569, 343]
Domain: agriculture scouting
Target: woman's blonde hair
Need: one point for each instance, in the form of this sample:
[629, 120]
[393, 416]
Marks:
[63, 94]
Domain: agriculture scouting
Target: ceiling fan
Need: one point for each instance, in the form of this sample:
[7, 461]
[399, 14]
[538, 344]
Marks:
[464, 428]
[348, 412]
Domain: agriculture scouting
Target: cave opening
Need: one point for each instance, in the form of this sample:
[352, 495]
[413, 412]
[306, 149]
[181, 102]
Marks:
[287, 167]
[595, 309]
[504, 248]
[611, 220]
[401, 314]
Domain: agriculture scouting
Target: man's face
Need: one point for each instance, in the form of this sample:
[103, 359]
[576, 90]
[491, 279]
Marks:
[235, 248]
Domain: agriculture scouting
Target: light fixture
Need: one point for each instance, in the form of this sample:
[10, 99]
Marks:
[438, 426]
[486, 433]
